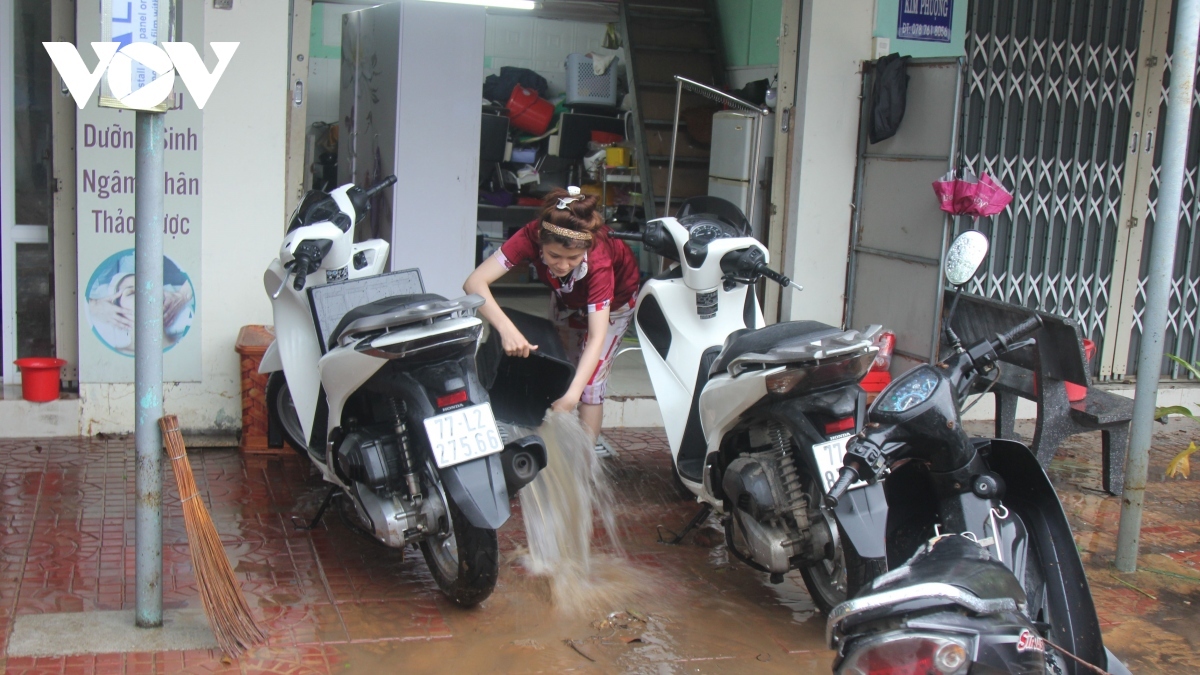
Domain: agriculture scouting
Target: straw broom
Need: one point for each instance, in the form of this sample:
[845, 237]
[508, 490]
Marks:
[226, 607]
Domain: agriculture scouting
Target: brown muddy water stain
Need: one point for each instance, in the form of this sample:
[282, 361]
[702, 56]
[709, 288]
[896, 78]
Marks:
[591, 590]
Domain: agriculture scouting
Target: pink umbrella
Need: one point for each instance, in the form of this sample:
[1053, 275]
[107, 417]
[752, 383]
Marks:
[970, 195]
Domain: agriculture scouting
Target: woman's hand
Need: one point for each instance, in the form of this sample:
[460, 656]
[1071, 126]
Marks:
[567, 403]
[515, 343]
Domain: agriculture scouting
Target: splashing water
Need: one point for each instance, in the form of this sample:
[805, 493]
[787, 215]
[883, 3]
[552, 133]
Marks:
[560, 507]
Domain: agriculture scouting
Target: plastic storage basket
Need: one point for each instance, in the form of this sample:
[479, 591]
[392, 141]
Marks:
[585, 87]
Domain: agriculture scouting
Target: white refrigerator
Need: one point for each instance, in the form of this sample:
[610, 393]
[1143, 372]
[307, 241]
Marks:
[732, 156]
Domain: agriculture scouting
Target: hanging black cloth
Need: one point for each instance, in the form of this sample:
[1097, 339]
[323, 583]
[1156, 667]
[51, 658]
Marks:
[499, 87]
[888, 96]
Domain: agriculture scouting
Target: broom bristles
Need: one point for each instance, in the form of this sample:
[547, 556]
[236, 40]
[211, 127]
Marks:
[228, 613]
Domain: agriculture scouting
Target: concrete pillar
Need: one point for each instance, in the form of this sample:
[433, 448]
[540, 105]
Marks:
[835, 37]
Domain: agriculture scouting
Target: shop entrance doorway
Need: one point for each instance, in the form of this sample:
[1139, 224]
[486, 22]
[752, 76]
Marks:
[26, 184]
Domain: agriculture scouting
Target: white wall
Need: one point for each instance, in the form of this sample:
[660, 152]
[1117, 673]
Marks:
[325, 63]
[835, 39]
[541, 45]
[740, 76]
[243, 155]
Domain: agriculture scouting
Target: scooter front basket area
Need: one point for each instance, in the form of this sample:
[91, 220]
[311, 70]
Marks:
[522, 389]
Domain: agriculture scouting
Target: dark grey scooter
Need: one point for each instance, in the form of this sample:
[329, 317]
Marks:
[993, 582]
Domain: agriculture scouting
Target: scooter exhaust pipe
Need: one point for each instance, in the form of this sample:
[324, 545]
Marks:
[521, 460]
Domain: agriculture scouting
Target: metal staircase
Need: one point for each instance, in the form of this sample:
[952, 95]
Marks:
[665, 38]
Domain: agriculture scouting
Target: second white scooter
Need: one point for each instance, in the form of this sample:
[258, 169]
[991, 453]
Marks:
[757, 416]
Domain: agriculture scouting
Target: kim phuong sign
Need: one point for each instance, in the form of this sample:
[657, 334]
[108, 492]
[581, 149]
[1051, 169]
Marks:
[925, 20]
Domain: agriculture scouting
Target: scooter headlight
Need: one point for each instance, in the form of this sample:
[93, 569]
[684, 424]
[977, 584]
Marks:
[905, 653]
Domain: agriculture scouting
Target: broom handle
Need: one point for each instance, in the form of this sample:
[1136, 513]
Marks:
[177, 452]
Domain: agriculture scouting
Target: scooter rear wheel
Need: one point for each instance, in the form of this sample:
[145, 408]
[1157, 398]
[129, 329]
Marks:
[831, 582]
[465, 562]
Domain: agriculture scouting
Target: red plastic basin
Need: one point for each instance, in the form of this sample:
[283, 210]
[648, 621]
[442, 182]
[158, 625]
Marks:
[39, 378]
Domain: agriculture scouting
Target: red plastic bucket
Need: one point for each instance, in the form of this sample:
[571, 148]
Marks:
[529, 112]
[39, 378]
[1074, 391]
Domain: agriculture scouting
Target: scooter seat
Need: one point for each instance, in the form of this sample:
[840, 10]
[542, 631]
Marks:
[764, 339]
[382, 306]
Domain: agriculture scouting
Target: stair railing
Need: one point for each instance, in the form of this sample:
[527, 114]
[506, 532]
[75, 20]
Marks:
[719, 96]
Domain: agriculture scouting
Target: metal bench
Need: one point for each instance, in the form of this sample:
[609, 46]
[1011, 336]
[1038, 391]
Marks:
[1056, 358]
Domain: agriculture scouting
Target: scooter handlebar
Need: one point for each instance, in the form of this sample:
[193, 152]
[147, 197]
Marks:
[846, 478]
[1017, 332]
[778, 278]
[627, 236]
[300, 266]
[380, 186]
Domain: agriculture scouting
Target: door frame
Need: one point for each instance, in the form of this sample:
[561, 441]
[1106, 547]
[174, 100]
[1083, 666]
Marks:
[8, 212]
[297, 103]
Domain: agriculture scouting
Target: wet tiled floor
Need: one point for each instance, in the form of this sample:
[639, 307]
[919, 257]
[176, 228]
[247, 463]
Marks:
[334, 602]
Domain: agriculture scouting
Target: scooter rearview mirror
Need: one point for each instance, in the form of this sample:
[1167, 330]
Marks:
[964, 257]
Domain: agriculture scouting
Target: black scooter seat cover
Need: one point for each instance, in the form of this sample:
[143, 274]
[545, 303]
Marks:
[762, 340]
[957, 561]
[387, 305]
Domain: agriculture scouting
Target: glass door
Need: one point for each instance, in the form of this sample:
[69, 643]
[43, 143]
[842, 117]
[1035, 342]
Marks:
[26, 179]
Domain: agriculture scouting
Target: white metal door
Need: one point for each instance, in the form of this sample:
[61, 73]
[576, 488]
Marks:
[8, 216]
[1183, 317]
[26, 202]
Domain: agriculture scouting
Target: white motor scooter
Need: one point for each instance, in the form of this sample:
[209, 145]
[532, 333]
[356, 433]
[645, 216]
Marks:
[387, 402]
[757, 417]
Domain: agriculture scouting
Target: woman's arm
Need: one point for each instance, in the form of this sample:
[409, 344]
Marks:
[479, 283]
[597, 331]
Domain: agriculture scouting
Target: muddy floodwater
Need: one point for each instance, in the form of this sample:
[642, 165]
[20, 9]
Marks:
[626, 603]
[333, 602]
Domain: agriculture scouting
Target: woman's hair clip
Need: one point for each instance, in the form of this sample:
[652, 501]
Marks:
[576, 195]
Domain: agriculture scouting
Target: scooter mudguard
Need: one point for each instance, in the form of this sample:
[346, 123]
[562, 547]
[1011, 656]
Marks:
[862, 516]
[272, 360]
[478, 488]
[1031, 494]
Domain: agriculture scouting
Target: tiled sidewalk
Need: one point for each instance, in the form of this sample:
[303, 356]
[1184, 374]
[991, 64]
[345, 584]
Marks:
[68, 545]
[334, 602]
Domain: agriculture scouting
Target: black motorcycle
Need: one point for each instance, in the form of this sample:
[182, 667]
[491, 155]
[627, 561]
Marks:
[993, 581]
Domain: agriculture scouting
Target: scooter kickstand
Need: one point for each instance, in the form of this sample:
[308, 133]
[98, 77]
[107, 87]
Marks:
[300, 525]
[700, 517]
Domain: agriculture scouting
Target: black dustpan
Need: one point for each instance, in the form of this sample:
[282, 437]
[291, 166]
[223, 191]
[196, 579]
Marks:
[522, 389]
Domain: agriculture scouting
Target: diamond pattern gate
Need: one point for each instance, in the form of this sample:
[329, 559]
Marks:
[1049, 102]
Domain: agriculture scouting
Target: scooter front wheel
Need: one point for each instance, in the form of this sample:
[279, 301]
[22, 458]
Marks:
[465, 561]
[279, 399]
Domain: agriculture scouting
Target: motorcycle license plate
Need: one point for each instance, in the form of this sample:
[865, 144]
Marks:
[462, 435]
[829, 460]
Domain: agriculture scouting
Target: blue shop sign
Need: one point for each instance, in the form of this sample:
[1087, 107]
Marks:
[924, 20]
